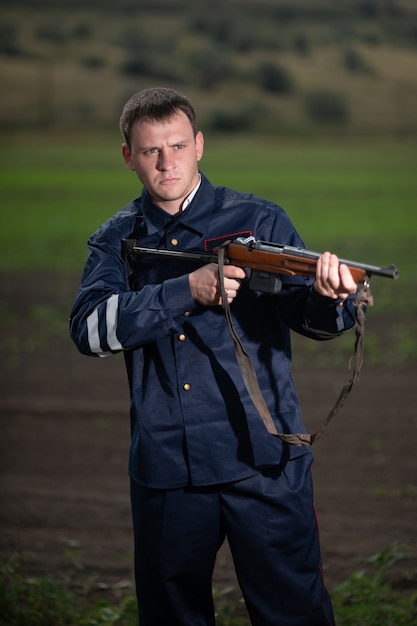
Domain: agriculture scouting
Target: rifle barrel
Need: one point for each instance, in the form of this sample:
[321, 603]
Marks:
[370, 270]
[204, 257]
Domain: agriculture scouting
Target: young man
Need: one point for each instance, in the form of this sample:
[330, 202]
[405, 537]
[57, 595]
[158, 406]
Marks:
[202, 465]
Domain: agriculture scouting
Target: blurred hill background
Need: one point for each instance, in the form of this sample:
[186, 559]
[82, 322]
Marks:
[264, 66]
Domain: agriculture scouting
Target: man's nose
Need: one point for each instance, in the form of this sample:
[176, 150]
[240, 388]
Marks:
[165, 161]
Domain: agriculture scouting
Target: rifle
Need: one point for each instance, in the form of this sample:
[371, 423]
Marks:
[266, 260]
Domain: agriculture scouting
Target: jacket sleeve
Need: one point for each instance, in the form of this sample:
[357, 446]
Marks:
[107, 317]
[308, 313]
[301, 307]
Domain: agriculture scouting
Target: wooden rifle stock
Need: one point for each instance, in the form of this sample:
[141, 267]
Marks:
[280, 259]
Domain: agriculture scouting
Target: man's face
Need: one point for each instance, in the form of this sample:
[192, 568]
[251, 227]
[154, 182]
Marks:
[165, 157]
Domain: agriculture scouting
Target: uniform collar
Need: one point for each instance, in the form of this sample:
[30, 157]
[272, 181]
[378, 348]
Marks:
[195, 214]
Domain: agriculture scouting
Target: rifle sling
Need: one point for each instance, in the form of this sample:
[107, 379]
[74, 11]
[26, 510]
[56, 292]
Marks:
[363, 299]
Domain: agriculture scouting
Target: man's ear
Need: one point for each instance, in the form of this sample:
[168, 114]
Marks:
[127, 156]
[199, 143]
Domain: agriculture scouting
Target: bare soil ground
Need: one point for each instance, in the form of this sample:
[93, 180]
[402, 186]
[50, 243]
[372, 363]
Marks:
[65, 434]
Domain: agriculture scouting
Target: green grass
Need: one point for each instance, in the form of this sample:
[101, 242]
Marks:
[53, 196]
[356, 199]
[366, 598]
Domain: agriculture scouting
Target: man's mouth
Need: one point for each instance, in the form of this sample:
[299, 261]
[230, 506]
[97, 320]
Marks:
[169, 181]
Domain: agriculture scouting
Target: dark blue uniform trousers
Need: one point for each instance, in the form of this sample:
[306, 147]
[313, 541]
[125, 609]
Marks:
[270, 522]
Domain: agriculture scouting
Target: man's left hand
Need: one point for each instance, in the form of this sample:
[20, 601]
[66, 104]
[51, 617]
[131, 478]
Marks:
[333, 280]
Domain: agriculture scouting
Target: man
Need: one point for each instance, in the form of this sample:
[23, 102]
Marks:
[202, 465]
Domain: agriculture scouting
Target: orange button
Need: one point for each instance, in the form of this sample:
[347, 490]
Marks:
[186, 387]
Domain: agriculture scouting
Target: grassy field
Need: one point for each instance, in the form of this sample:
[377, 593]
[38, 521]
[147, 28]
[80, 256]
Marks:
[356, 199]
[365, 598]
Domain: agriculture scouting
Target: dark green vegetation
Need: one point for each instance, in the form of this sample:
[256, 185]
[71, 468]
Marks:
[367, 598]
[270, 66]
[357, 199]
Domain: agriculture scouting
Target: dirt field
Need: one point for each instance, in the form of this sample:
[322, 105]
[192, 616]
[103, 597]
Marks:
[65, 436]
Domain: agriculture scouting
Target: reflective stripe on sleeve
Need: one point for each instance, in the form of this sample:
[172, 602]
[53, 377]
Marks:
[93, 335]
[112, 310]
[111, 324]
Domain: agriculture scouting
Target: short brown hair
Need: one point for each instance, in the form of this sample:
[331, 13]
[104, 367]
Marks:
[155, 104]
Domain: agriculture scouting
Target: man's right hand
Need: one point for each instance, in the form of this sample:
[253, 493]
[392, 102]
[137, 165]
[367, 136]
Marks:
[205, 287]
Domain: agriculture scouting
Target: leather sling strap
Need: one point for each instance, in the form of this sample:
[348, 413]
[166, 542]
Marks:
[363, 299]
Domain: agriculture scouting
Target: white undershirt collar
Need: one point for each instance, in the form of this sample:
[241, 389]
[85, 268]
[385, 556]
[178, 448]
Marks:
[190, 196]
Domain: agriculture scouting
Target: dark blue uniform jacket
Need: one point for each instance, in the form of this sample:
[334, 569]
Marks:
[193, 422]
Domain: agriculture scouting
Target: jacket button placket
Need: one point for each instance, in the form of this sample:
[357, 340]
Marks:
[181, 338]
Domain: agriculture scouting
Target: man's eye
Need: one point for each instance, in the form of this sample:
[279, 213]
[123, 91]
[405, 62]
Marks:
[151, 151]
[179, 146]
